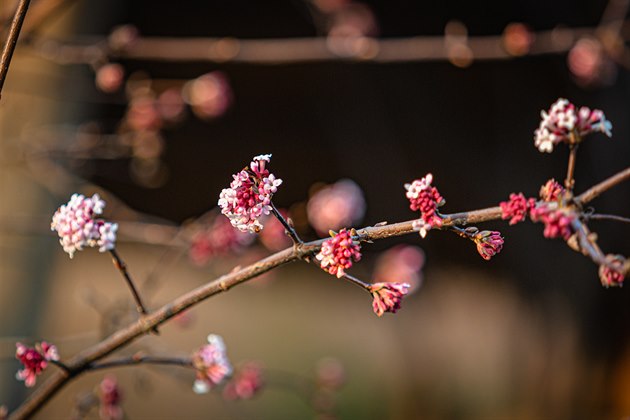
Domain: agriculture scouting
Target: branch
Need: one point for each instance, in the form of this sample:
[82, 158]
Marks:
[9, 46]
[140, 359]
[296, 50]
[608, 217]
[594, 192]
[87, 358]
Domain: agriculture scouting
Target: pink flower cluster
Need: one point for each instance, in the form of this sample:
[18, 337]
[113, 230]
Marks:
[426, 198]
[516, 208]
[249, 195]
[212, 365]
[610, 277]
[246, 383]
[34, 360]
[551, 191]
[489, 243]
[77, 228]
[110, 399]
[564, 123]
[557, 221]
[218, 239]
[387, 296]
[338, 252]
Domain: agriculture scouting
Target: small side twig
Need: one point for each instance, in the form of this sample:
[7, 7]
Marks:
[9, 46]
[122, 267]
[141, 359]
[608, 217]
[289, 229]
[363, 285]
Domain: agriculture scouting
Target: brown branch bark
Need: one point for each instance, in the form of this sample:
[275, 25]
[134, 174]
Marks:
[9, 46]
[86, 359]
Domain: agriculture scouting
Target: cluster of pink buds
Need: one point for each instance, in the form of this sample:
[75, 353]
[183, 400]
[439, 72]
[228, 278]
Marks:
[77, 228]
[489, 243]
[338, 252]
[551, 191]
[557, 221]
[247, 382]
[566, 124]
[426, 198]
[249, 195]
[212, 365]
[34, 360]
[387, 296]
[610, 277]
[218, 239]
[516, 208]
[110, 399]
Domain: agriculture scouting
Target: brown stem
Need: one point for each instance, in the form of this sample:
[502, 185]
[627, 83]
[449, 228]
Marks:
[122, 267]
[9, 46]
[570, 181]
[287, 227]
[363, 285]
[82, 361]
[588, 245]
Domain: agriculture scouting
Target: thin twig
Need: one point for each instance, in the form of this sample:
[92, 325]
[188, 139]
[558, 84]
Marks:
[363, 285]
[82, 361]
[608, 217]
[588, 245]
[122, 267]
[9, 46]
[287, 227]
[136, 360]
[594, 192]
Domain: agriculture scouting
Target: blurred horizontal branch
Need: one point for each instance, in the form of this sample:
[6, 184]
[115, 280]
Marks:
[455, 46]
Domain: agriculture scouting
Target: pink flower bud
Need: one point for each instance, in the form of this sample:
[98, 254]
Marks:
[516, 208]
[610, 277]
[551, 191]
[338, 252]
[489, 243]
[426, 198]
[387, 296]
[110, 399]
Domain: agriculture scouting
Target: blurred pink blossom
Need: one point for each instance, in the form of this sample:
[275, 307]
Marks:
[110, 399]
[335, 206]
[218, 239]
[209, 95]
[246, 383]
[212, 365]
[401, 263]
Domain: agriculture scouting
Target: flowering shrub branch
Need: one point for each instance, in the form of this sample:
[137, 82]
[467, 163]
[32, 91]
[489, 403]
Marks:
[249, 199]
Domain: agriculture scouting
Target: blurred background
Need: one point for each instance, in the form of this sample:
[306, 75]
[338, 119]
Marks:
[155, 104]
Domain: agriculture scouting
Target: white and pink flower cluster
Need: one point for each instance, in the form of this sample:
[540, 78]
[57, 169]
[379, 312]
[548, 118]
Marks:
[338, 252]
[564, 123]
[34, 360]
[426, 198]
[77, 228]
[212, 365]
[249, 195]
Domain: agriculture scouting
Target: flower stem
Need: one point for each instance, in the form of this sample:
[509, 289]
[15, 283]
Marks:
[356, 281]
[288, 228]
